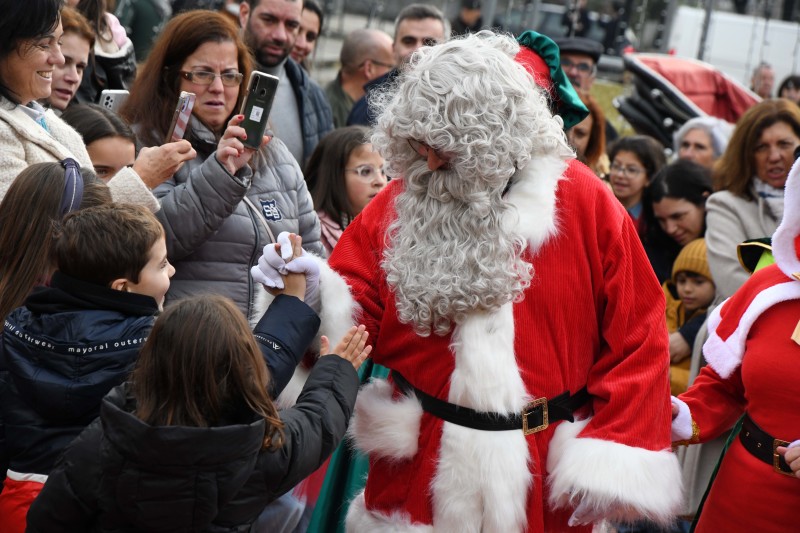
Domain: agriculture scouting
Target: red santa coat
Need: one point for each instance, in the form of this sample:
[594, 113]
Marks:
[592, 317]
[753, 366]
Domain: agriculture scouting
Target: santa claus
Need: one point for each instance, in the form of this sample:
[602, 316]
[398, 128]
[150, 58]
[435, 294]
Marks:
[507, 291]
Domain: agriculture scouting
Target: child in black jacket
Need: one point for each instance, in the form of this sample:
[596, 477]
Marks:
[194, 442]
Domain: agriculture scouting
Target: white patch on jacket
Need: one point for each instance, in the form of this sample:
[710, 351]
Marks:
[533, 193]
[610, 476]
[783, 240]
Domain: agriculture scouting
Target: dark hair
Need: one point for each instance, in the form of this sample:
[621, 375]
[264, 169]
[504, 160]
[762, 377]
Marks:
[95, 122]
[421, 12]
[29, 213]
[736, 167]
[646, 149]
[682, 180]
[324, 171]
[72, 21]
[156, 89]
[790, 82]
[24, 21]
[99, 245]
[311, 5]
[204, 375]
[95, 11]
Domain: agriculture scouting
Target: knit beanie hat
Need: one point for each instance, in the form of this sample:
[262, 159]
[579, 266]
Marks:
[692, 258]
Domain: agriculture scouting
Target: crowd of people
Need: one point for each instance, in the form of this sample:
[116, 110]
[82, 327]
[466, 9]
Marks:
[442, 293]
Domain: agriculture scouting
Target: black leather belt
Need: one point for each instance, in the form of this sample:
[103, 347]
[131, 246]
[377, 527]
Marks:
[535, 416]
[763, 446]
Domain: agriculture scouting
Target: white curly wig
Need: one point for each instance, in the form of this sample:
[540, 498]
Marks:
[452, 249]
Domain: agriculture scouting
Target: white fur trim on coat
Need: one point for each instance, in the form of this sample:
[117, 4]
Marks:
[360, 520]
[613, 477]
[483, 477]
[681, 424]
[383, 426]
[725, 356]
[533, 193]
[783, 240]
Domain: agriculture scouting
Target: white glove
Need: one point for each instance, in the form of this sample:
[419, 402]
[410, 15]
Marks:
[271, 264]
[306, 264]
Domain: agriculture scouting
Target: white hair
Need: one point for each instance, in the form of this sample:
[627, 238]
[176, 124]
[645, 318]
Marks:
[718, 130]
[452, 249]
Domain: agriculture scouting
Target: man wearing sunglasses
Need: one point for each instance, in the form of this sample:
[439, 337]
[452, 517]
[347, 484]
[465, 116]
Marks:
[579, 57]
[366, 55]
[417, 25]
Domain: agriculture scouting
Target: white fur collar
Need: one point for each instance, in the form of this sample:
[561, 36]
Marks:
[533, 193]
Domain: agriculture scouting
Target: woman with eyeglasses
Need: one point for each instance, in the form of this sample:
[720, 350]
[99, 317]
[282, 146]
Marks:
[308, 35]
[343, 174]
[220, 210]
[634, 162]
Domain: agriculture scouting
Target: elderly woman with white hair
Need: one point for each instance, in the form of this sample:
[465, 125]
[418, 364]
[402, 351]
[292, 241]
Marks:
[703, 140]
[496, 269]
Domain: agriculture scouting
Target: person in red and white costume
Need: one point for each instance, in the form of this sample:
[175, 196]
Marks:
[753, 356]
[495, 269]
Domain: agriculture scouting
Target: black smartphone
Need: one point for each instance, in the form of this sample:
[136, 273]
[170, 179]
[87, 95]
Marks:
[180, 118]
[256, 107]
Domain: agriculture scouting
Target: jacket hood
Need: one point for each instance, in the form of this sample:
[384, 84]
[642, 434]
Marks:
[188, 472]
[65, 349]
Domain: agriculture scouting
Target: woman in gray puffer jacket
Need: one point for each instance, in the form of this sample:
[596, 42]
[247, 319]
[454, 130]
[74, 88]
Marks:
[220, 209]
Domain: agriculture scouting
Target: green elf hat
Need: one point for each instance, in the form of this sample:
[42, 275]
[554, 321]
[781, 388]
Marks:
[540, 56]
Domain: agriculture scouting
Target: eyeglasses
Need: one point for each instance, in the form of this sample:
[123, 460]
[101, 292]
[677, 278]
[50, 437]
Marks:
[582, 67]
[424, 150]
[203, 77]
[367, 172]
[630, 172]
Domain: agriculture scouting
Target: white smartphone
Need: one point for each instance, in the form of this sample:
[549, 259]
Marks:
[113, 99]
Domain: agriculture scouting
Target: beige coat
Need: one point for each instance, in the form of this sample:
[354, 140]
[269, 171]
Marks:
[23, 142]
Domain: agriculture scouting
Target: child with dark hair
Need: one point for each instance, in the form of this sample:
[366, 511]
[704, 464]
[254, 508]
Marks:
[194, 442]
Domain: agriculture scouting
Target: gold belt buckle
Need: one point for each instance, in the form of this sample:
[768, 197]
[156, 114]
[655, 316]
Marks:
[776, 457]
[528, 410]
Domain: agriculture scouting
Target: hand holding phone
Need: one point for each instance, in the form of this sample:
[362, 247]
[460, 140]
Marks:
[256, 107]
[180, 118]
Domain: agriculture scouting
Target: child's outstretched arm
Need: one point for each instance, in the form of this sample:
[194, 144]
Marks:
[353, 346]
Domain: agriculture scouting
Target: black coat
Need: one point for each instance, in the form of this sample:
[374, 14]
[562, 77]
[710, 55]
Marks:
[122, 475]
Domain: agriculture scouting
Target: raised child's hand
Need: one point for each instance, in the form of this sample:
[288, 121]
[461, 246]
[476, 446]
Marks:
[352, 347]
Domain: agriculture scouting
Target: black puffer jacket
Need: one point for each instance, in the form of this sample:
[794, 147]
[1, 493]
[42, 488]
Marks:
[61, 353]
[122, 475]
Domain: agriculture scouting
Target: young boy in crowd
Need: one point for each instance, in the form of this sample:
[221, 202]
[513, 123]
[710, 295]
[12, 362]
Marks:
[691, 280]
[76, 339]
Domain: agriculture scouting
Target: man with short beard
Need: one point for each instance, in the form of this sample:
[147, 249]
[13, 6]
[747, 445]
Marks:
[508, 292]
[300, 115]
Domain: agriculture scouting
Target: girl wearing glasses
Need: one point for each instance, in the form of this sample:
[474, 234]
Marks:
[220, 209]
[343, 174]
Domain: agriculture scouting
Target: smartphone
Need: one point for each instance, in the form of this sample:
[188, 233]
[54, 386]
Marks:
[180, 118]
[256, 107]
[113, 99]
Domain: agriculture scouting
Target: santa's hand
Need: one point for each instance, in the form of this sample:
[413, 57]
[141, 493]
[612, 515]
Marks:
[584, 514]
[272, 262]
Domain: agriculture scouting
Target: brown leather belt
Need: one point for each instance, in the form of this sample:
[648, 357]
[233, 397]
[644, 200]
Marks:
[763, 446]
